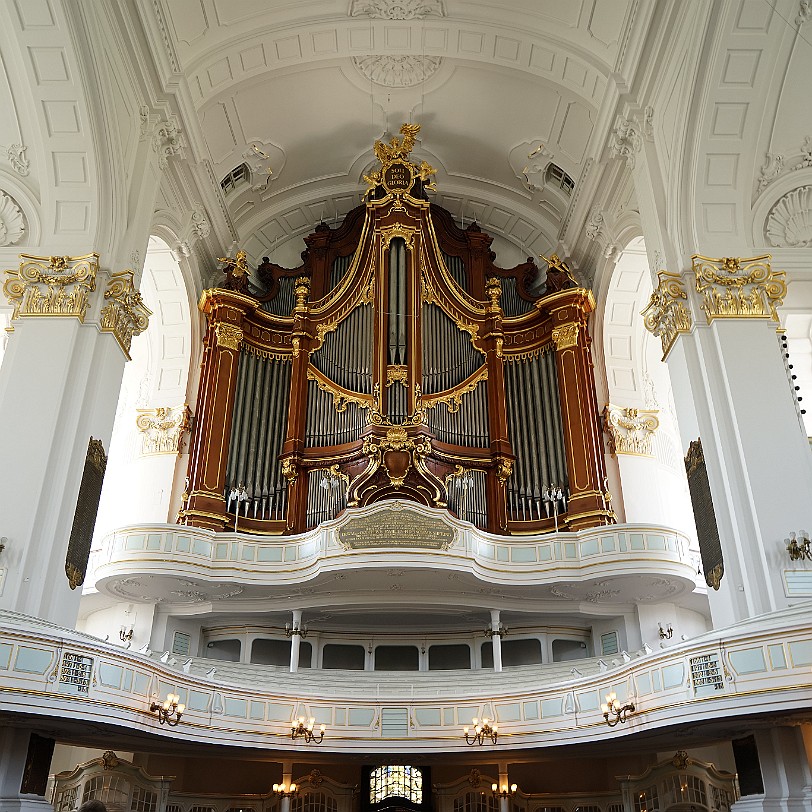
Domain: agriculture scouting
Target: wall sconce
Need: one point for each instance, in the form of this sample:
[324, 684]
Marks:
[505, 792]
[237, 495]
[296, 628]
[170, 712]
[799, 547]
[482, 730]
[285, 791]
[665, 634]
[617, 712]
[125, 634]
[300, 729]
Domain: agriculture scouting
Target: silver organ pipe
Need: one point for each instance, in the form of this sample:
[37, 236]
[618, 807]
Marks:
[396, 403]
[466, 497]
[326, 496]
[456, 267]
[536, 434]
[282, 303]
[466, 427]
[258, 430]
[345, 357]
[339, 268]
[512, 303]
[448, 355]
[325, 425]
[397, 301]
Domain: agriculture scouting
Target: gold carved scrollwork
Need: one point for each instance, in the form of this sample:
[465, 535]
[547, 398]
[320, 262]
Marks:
[301, 289]
[397, 373]
[341, 397]
[163, 429]
[565, 336]
[406, 234]
[666, 314]
[504, 468]
[125, 315]
[289, 470]
[739, 288]
[630, 431]
[52, 286]
[397, 174]
[453, 400]
[493, 290]
[229, 336]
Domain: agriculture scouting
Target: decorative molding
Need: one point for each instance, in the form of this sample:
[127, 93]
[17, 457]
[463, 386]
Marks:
[595, 225]
[806, 155]
[630, 431]
[52, 286]
[565, 336]
[739, 288]
[16, 157]
[390, 70]
[805, 13]
[125, 315]
[771, 168]
[666, 315]
[626, 140]
[265, 161]
[453, 400]
[397, 9]
[163, 429]
[229, 336]
[200, 224]
[12, 222]
[166, 141]
[647, 124]
[789, 223]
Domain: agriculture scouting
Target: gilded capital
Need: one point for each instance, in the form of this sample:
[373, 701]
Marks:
[666, 314]
[124, 315]
[229, 336]
[733, 288]
[630, 431]
[51, 286]
[163, 429]
[565, 336]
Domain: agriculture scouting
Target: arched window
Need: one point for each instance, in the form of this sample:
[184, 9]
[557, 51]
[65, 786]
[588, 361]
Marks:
[396, 781]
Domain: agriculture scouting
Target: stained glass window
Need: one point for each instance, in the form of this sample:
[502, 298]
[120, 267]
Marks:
[396, 781]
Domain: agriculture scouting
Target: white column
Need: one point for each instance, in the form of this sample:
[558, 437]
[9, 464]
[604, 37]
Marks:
[13, 752]
[369, 658]
[503, 787]
[287, 775]
[784, 771]
[295, 640]
[496, 640]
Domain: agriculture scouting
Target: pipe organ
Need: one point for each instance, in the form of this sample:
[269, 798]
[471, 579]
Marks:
[397, 362]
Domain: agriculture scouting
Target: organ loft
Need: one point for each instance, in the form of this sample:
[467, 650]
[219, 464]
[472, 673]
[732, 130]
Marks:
[397, 362]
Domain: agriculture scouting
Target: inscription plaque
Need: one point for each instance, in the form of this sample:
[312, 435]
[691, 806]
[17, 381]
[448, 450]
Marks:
[396, 527]
[84, 517]
[710, 547]
[398, 177]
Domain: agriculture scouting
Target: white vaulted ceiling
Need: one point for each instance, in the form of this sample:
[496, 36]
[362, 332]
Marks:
[313, 84]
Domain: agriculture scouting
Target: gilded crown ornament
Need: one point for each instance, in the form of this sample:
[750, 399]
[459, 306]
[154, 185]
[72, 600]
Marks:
[397, 174]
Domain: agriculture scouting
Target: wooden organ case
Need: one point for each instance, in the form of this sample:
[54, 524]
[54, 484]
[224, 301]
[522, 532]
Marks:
[397, 362]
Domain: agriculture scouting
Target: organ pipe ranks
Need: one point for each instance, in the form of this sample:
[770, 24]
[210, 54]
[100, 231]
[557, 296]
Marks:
[398, 361]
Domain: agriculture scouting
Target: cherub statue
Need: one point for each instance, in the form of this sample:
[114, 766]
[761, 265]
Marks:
[559, 276]
[236, 271]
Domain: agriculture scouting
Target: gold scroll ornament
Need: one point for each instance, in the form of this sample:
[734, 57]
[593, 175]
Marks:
[125, 315]
[52, 286]
[565, 336]
[163, 429]
[630, 431]
[733, 288]
[397, 174]
[666, 314]
[229, 336]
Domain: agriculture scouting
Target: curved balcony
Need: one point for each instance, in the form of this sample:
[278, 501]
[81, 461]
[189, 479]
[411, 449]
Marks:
[757, 667]
[233, 568]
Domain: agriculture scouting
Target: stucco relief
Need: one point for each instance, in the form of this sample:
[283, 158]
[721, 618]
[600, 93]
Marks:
[397, 9]
[12, 222]
[789, 223]
[397, 71]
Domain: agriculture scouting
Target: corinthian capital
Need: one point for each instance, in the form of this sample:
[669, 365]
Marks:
[630, 430]
[666, 314]
[124, 315]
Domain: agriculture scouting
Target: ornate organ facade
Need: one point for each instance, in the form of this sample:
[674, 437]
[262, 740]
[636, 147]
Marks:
[397, 362]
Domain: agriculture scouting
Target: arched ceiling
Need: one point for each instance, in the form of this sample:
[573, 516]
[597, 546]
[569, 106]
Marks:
[312, 85]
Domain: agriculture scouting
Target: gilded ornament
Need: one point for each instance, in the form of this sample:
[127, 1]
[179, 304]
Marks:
[680, 760]
[163, 429]
[229, 336]
[666, 315]
[739, 288]
[341, 397]
[52, 286]
[109, 760]
[236, 271]
[289, 470]
[125, 315]
[565, 336]
[714, 577]
[493, 290]
[453, 399]
[397, 174]
[301, 289]
[406, 234]
[504, 468]
[397, 373]
[630, 431]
